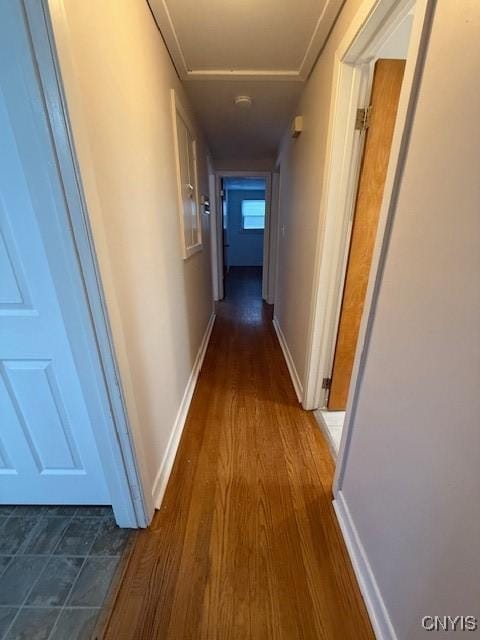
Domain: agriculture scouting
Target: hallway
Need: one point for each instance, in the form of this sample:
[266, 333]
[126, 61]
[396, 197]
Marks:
[246, 544]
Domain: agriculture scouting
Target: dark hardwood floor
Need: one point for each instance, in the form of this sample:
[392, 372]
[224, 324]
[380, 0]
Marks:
[246, 544]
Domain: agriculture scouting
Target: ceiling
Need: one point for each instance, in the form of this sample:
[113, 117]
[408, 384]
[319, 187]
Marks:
[225, 48]
[236, 135]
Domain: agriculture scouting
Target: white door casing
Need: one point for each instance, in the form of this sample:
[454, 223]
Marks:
[269, 254]
[48, 452]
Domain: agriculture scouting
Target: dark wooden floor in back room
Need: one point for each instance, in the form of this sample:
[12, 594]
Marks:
[246, 544]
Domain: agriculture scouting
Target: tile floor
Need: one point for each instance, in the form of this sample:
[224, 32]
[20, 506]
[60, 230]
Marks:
[331, 423]
[56, 567]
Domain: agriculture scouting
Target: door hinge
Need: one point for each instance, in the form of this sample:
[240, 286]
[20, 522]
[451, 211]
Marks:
[362, 120]
[326, 383]
[222, 193]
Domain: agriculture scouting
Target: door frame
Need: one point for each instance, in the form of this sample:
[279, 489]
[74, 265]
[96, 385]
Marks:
[269, 246]
[373, 21]
[217, 286]
[273, 236]
[419, 38]
[113, 433]
[352, 78]
[351, 237]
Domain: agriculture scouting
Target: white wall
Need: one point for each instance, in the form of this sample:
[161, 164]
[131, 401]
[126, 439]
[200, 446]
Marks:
[118, 75]
[302, 168]
[412, 475]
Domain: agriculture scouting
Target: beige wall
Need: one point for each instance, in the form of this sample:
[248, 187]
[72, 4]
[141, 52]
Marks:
[118, 76]
[302, 170]
[412, 475]
[412, 471]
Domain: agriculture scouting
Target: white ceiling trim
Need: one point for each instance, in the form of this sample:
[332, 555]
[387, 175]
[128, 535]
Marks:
[164, 22]
[322, 29]
[242, 74]
[314, 46]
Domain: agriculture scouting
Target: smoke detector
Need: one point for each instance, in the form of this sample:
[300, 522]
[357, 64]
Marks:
[244, 102]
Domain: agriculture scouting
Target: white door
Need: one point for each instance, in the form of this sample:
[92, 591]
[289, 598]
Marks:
[48, 453]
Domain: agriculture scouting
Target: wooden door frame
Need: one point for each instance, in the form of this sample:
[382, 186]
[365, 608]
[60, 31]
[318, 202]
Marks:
[353, 73]
[113, 433]
[389, 72]
[423, 18]
[269, 245]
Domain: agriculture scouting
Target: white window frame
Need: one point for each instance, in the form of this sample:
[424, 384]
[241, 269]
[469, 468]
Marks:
[254, 229]
[179, 109]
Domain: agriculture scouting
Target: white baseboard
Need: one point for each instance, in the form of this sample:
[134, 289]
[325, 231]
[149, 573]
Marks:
[297, 385]
[326, 432]
[163, 474]
[377, 611]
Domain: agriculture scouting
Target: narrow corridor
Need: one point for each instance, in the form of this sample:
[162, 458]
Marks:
[246, 544]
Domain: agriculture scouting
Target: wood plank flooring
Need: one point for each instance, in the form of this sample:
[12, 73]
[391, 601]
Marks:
[246, 545]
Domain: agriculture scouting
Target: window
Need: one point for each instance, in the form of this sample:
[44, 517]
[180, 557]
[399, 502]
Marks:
[186, 151]
[253, 214]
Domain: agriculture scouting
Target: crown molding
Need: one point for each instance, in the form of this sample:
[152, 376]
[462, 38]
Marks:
[319, 37]
[165, 25]
[313, 48]
[243, 74]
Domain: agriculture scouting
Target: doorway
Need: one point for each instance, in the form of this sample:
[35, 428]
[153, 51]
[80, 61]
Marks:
[243, 226]
[381, 114]
[242, 223]
[363, 127]
[59, 392]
